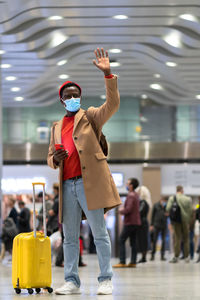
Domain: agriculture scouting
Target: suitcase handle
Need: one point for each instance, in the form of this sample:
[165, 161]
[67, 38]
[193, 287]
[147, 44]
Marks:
[44, 208]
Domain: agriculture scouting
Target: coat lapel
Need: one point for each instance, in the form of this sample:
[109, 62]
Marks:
[58, 129]
[78, 117]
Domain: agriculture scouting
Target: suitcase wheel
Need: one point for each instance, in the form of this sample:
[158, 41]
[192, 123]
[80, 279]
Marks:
[50, 290]
[18, 291]
[30, 291]
[37, 290]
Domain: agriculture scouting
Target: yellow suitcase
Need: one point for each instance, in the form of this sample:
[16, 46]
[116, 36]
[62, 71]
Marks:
[31, 258]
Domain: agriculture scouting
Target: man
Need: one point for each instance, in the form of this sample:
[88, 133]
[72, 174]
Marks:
[13, 212]
[181, 229]
[24, 218]
[159, 225]
[131, 223]
[85, 181]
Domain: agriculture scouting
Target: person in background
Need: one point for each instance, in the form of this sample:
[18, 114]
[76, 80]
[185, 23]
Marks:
[159, 225]
[9, 231]
[86, 184]
[181, 229]
[13, 212]
[52, 220]
[198, 224]
[143, 230]
[24, 218]
[48, 206]
[131, 223]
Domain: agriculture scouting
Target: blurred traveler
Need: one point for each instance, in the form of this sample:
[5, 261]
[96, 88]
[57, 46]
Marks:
[13, 212]
[131, 223]
[9, 231]
[24, 218]
[48, 206]
[85, 178]
[159, 225]
[198, 230]
[181, 224]
[52, 223]
[143, 230]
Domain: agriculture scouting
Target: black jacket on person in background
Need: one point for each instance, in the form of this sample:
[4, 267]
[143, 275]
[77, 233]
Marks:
[14, 215]
[158, 218]
[24, 220]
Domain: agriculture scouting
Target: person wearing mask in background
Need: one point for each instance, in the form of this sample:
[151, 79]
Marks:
[131, 223]
[143, 230]
[181, 229]
[159, 225]
[13, 212]
[24, 218]
[86, 184]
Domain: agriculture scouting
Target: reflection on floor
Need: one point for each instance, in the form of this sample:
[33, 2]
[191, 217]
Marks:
[152, 280]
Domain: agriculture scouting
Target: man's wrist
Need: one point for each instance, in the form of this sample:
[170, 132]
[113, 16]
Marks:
[55, 161]
[107, 72]
[109, 76]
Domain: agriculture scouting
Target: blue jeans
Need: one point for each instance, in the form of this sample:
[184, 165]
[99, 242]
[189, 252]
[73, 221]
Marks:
[74, 201]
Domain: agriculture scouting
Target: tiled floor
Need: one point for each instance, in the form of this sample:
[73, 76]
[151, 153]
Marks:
[153, 280]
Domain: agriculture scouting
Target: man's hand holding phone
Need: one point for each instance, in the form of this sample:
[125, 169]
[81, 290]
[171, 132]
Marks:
[60, 153]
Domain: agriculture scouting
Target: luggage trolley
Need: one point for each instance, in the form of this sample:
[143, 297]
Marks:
[31, 256]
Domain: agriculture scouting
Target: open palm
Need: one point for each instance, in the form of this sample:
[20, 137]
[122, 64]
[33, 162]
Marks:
[102, 61]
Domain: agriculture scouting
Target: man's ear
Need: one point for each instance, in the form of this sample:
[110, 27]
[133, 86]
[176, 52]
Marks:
[62, 102]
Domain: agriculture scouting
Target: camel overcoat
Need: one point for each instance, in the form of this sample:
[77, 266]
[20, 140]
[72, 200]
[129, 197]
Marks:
[99, 186]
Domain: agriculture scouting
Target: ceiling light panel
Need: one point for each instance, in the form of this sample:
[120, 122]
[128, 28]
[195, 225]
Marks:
[114, 64]
[57, 39]
[15, 89]
[171, 64]
[188, 17]
[115, 50]
[63, 76]
[173, 39]
[156, 86]
[62, 62]
[10, 78]
[55, 18]
[5, 66]
[120, 17]
[18, 98]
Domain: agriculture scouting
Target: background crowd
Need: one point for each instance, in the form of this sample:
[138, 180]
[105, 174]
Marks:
[148, 227]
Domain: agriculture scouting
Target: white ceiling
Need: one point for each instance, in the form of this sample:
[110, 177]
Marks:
[34, 44]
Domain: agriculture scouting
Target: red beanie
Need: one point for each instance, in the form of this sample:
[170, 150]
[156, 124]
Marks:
[65, 85]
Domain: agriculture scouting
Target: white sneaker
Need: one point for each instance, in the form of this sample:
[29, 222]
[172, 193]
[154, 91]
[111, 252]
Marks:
[67, 289]
[105, 287]
[187, 259]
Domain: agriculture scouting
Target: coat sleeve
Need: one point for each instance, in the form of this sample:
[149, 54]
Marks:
[153, 215]
[51, 151]
[101, 114]
[129, 206]
[169, 203]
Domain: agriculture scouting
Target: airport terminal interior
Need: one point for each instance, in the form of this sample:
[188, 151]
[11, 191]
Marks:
[154, 52]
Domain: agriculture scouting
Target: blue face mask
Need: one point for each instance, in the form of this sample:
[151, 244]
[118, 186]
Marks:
[73, 104]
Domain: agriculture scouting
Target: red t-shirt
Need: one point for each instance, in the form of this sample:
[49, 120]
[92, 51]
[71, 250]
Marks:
[72, 165]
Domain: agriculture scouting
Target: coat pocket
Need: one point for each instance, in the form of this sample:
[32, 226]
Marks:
[100, 156]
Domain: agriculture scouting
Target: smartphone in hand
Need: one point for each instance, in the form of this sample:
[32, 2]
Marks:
[59, 146]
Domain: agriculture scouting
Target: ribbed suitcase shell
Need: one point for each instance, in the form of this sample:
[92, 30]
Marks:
[31, 261]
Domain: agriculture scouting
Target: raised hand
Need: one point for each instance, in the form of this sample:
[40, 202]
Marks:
[102, 61]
